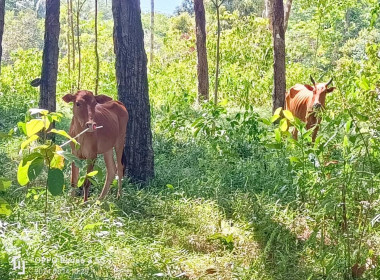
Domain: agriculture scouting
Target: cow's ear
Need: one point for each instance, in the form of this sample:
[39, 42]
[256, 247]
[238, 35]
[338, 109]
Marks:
[330, 89]
[309, 87]
[68, 98]
[102, 98]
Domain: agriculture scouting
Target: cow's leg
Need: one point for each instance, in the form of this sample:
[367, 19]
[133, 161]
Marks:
[74, 179]
[120, 168]
[111, 172]
[87, 183]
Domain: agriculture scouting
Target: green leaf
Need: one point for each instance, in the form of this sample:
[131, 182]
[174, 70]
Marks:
[283, 125]
[35, 168]
[92, 173]
[345, 141]
[22, 126]
[92, 226]
[34, 111]
[277, 135]
[64, 134]
[169, 186]
[277, 112]
[4, 184]
[22, 172]
[34, 126]
[55, 181]
[70, 158]
[276, 146]
[58, 160]
[294, 159]
[5, 208]
[265, 121]
[348, 126]
[274, 118]
[288, 115]
[29, 140]
[81, 181]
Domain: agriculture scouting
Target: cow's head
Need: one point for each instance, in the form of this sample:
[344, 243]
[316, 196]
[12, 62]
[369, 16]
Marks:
[319, 93]
[84, 107]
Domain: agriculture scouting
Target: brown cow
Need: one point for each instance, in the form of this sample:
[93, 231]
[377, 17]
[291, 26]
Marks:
[90, 112]
[304, 100]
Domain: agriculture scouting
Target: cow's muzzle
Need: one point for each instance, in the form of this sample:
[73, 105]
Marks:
[317, 106]
[91, 126]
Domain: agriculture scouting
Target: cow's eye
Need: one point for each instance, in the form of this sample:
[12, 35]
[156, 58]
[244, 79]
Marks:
[78, 104]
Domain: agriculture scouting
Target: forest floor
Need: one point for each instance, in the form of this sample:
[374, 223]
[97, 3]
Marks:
[205, 215]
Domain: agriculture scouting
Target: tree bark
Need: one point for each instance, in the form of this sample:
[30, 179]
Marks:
[287, 13]
[151, 30]
[50, 57]
[2, 14]
[279, 83]
[202, 64]
[132, 84]
[96, 48]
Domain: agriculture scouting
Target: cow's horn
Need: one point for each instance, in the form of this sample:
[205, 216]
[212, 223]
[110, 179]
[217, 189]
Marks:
[329, 82]
[312, 80]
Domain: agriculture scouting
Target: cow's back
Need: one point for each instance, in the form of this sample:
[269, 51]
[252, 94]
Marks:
[298, 100]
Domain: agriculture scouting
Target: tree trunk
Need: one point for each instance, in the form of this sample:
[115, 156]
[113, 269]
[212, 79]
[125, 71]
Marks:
[217, 56]
[2, 14]
[132, 82]
[50, 56]
[269, 12]
[287, 13]
[96, 48]
[202, 65]
[78, 42]
[72, 33]
[68, 44]
[279, 83]
[151, 30]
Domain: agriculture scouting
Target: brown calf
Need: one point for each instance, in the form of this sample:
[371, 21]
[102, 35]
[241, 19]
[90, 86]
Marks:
[90, 112]
[304, 100]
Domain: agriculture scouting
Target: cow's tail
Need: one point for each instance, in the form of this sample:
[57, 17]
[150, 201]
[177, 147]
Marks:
[124, 161]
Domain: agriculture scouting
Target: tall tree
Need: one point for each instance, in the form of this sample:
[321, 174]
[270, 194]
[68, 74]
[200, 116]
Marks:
[279, 83]
[151, 30]
[288, 7]
[96, 48]
[132, 84]
[50, 56]
[202, 65]
[2, 14]
[217, 4]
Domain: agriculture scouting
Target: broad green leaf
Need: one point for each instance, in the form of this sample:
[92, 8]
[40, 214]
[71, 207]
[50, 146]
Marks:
[294, 159]
[277, 112]
[29, 140]
[4, 184]
[46, 122]
[55, 181]
[265, 121]
[92, 173]
[5, 208]
[277, 135]
[35, 168]
[58, 161]
[274, 118]
[288, 115]
[34, 126]
[283, 125]
[81, 181]
[22, 173]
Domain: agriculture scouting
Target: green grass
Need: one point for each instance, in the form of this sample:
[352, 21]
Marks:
[211, 212]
